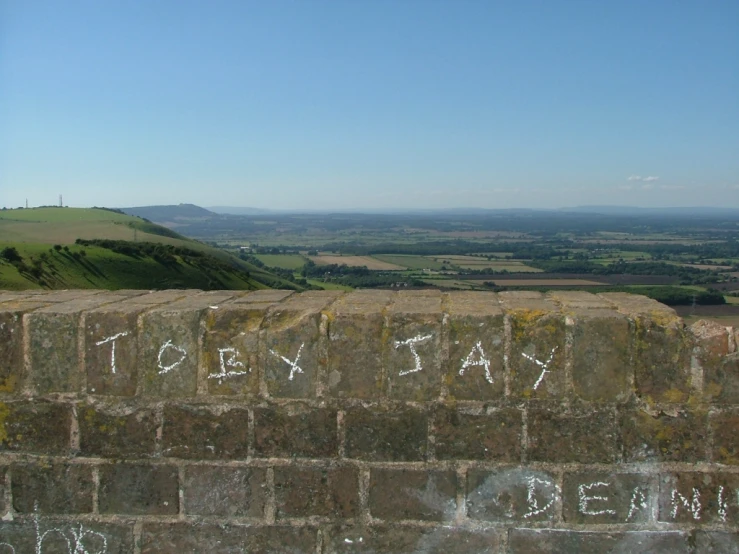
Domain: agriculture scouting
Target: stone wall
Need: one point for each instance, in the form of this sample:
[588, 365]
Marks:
[370, 421]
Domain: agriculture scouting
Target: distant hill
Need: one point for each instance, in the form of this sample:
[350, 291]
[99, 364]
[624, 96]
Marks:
[169, 213]
[635, 210]
[234, 210]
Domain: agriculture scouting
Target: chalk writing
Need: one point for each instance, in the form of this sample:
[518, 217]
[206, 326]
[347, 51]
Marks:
[477, 357]
[638, 501]
[294, 367]
[694, 505]
[534, 509]
[411, 343]
[12, 548]
[112, 347]
[167, 368]
[543, 365]
[586, 499]
[230, 361]
[721, 504]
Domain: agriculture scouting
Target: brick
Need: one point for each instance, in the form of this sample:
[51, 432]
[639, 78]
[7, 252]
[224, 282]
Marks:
[725, 444]
[406, 494]
[663, 437]
[57, 488]
[716, 542]
[474, 370]
[119, 432]
[378, 435]
[295, 431]
[225, 491]
[178, 538]
[356, 539]
[314, 491]
[290, 349]
[514, 494]
[154, 298]
[601, 355]
[11, 348]
[356, 327]
[3, 488]
[551, 541]
[134, 489]
[692, 497]
[36, 427]
[54, 359]
[205, 433]
[570, 300]
[62, 536]
[720, 366]
[595, 497]
[584, 436]
[494, 436]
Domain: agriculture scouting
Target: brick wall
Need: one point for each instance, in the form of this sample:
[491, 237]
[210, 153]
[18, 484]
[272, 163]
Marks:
[370, 421]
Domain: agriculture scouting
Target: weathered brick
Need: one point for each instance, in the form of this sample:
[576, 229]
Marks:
[290, 350]
[604, 497]
[315, 491]
[204, 432]
[379, 435]
[411, 347]
[720, 366]
[405, 494]
[601, 352]
[11, 346]
[570, 300]
[551, 541]
[511, 495]
[356, 539]
[52, 536]
[57, 488]
[35, 427]
[582, 435]
[3, 488]
[693, 497]
[476, 326]
[178, 538]
[52, 335]
[725, 444]
[134, 489]
[663, 437]
[716, 542]
[295, 431]
[117, 432]
[225, 491]
[355, 344]
[495, 435]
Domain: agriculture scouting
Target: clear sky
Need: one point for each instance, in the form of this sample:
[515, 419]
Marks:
[369, 103]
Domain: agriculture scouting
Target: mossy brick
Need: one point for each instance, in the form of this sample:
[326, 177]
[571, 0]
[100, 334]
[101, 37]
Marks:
[377, 434]
[35, 427]
[663, 437]
[331, 492]
[265, 296]
[179, 538]
[596, 497]
[601, 355]
[11, 344]
[117, 431]
[720, 367]
[411, 346]
[494, 435]
[724, 426]
[575, 435]
[290, 345]
[716, 542]
[698, 497]
[205, 432]
[158, 297]
[578, 300]
[529, 541]
[356, 325]
[511, 494]
[396, 539]
[476, 335]
[413, 494]
[59, 536]
[225, 491]
[55, 488]
[138, 489]
[295, 430]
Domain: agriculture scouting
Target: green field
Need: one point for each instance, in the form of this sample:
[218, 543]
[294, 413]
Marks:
[410, 261]
[285, 261]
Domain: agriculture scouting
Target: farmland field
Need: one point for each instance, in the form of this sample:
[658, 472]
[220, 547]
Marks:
[542, 282]
[409, 262]
[358, 261]
[285, 261]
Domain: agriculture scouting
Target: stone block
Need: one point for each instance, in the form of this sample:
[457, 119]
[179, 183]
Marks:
[716, 542]
[315, 491]
[295, 431]
[35, 427]
[56, 488]
[225, 491]
[724, 426]
[474, 370]
[595, 497]
[374, 434]
[513, 494]
[578, 435]
[357, 539]
[663, 437]
[11, 345]
[409, 494]
[545, 541]
[117, 431]
[65, 536]
[720, 366]
[493, 436]
[693, 497]
[571, 300]
[3, 489]
[136, 489]
[205, 432]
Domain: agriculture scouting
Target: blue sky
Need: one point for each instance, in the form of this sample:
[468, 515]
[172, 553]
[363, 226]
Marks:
[350, 104]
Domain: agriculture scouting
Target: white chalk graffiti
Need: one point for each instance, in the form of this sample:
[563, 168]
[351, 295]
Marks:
[294, 367]
[112, 347]
[167, 368]
[585, 499]
[12, 548]
[543, 365]
[721, 504]
[638, 502]
[694, 505]
[534, 509]
[231, 361]
[411, 343]
[477, 357]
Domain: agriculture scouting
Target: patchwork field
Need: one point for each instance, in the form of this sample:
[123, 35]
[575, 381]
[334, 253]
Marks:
[542, 282]
[357, 261]
[285, 261]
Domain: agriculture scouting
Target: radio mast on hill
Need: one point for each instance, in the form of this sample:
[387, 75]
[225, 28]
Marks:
[60, 201]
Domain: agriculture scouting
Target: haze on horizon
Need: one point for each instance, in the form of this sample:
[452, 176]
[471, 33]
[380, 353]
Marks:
[374, 104]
